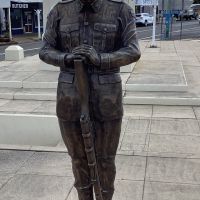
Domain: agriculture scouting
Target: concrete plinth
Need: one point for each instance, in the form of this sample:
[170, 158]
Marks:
[14, 53]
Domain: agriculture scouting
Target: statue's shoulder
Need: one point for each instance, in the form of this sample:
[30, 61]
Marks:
[117, 1]
[65, 1]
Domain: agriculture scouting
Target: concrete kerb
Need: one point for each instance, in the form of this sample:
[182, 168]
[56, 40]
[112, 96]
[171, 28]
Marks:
[131, 100]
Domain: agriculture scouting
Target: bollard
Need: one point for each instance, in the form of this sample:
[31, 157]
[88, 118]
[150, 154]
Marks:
[14, 53]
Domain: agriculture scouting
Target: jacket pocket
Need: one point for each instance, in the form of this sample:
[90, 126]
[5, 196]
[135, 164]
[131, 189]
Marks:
[70, 35]
[104, 36]
[107, 98]
[68, 102]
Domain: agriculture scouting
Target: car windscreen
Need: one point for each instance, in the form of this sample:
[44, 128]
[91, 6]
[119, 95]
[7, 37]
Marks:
[138, 15]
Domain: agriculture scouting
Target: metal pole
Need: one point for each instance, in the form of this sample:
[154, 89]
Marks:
[162, 15]
[168, 20]
[183, 6]
[9, 23]
[153, 43]
[39, 27]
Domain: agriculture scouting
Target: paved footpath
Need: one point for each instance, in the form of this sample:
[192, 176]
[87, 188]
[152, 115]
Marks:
[158, 156]
[158, 159]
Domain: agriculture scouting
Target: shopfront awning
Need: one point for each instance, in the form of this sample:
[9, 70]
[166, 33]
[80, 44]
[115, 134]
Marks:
[5, 4]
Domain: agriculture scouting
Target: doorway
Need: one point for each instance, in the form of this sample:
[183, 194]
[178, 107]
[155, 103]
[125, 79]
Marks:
[28, 22]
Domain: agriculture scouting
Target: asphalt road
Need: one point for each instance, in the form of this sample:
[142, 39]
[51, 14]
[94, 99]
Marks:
[191, 30]
[30, 49]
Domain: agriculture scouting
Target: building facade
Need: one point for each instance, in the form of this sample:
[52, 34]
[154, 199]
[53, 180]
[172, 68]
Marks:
[23, 16]
[174, 5]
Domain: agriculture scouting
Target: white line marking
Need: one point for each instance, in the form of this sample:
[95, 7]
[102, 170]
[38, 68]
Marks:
[31, 49]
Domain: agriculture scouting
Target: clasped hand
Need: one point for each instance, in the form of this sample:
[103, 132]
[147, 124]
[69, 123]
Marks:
[85, 52]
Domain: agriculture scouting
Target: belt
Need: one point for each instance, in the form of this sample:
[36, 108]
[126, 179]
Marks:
[93, 70]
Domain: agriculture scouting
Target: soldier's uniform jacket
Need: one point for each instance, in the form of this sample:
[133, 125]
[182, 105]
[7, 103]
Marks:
[108, 26]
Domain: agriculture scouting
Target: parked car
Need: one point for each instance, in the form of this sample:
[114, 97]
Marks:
[186, 15]
[144, 19]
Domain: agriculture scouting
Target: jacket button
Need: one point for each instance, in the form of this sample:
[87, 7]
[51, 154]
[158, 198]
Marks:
[86, 23]
[85, 41]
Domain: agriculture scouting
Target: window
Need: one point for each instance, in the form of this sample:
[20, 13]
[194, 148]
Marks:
[16, 18]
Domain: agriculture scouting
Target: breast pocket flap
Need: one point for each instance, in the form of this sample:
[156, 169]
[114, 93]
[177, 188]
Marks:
[105, 27]
[69, 27]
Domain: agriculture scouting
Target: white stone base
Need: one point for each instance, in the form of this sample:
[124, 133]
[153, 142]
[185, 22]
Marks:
[26, 129]
[14, 53]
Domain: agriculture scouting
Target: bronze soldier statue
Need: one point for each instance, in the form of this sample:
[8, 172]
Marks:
[100, 36]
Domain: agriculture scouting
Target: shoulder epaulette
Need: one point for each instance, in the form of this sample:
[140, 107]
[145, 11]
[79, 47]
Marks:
[65, 1]
[118, 1]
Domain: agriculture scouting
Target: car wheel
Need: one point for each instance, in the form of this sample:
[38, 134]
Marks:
[146, 23]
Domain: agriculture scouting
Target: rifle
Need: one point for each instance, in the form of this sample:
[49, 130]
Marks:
[82, 86]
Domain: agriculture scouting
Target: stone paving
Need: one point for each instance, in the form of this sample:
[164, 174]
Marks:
[158, 159]
[175, 67]
[159, 153]
[171, 78]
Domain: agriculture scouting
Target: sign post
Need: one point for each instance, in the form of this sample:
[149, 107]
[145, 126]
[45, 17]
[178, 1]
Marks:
[153, 3]
[9, 24]
[168, 20]
[153, 43]
[39, 27]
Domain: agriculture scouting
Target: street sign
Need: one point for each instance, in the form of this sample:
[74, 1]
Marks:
[145, 2]
[19, 5]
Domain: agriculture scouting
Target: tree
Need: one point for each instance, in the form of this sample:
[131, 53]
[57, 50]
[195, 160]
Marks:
[196, 1]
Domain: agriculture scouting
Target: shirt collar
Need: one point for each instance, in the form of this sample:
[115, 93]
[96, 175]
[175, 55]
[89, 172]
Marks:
[96, 5]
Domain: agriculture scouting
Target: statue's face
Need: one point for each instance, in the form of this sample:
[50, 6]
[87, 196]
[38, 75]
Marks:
[87, 1]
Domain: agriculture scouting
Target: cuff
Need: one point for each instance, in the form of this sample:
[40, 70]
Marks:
[61, 59]
[105, 61]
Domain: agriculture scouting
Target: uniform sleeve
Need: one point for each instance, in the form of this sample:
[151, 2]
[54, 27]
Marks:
[49, 53]
[129, 51]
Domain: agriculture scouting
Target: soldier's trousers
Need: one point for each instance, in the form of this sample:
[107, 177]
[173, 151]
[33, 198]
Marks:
[107, 135]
